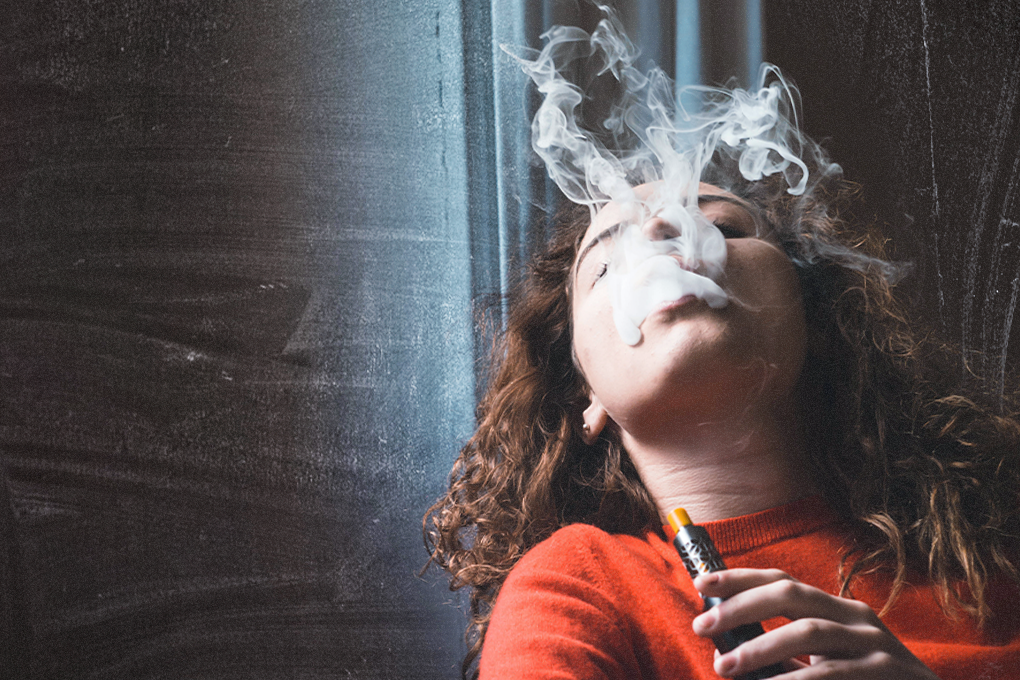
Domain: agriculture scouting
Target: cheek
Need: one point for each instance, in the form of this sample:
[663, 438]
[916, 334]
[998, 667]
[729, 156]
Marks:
[594, 336]
[602, 356]
[765, 282]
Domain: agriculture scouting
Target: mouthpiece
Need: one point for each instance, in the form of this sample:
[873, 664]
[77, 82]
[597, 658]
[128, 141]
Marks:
[679, 518]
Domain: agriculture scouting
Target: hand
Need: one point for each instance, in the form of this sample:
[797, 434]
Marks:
[843, 638]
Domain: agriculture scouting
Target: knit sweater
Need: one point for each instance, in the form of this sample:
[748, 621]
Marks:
[588, 604]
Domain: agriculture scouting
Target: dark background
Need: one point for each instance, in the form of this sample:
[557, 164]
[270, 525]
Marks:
[240, 248]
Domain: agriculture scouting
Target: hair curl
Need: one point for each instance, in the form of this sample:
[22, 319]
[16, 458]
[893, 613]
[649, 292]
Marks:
[927, 472]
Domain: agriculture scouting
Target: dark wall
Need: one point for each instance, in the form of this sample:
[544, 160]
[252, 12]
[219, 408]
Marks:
[919, 102]
[235, 341]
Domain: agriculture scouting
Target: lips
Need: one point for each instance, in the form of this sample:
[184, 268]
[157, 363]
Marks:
[660, 281]
[670, 305]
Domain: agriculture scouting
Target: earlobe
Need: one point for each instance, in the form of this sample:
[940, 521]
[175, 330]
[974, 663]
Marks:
[595, 419]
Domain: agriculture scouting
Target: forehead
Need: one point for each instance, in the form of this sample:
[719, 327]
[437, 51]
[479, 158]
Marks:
[612, 213]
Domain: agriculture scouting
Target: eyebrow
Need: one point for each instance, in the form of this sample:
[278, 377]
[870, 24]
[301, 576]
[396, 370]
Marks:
[719, 198]
[612, 230]
[608, 232]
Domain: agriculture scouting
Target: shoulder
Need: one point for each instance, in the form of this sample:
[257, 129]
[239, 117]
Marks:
[587, 540]
[580, 570]
[575, 542]
[563, 609]
[583, 550]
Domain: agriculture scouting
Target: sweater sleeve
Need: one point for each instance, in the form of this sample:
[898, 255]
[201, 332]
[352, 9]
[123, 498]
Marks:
[555, 618]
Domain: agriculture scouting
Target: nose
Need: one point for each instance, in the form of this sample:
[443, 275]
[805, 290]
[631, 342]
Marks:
[658, 229]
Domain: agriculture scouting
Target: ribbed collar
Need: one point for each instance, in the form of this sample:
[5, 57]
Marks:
[738, 534]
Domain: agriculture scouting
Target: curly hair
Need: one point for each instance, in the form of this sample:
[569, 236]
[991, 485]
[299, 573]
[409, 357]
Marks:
[927, 472]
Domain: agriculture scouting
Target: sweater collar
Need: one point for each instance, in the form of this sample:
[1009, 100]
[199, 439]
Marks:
[747, 532]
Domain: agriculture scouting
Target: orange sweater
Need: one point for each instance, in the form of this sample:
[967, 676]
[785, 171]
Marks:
[587, 604]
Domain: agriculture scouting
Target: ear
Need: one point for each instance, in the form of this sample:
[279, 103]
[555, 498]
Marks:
[595, 419]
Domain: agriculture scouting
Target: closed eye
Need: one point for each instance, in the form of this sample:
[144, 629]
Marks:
[601, 271]
[729, 231]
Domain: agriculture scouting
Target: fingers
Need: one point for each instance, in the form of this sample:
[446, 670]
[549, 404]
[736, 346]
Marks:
[816, 637]
[821, 624]
[755, 595]
[826, 670]
[874, 666]
[731, 581]
[844, 637]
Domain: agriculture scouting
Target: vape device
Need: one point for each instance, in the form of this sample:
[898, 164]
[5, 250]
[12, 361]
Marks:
[701, 557]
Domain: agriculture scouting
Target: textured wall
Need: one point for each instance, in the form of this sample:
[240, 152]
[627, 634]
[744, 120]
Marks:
[919, 101]
[235, 326]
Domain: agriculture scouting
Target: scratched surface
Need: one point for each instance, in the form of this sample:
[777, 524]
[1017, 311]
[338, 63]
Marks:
[235, 331]
[239, 245]
[920, 100]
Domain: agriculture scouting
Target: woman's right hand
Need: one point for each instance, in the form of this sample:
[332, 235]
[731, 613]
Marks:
[843, 638]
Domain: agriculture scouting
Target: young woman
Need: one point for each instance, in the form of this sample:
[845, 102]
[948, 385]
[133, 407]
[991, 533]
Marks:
[866, 506]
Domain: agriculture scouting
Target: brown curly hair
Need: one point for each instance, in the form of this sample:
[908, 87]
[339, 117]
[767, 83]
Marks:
[928, 473]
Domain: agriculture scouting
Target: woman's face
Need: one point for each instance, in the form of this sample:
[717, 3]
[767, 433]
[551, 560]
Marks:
[693, 363]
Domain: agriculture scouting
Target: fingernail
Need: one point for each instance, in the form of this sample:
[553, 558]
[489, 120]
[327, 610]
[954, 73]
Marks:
[704, 622]
[725, 664]
[708, 579]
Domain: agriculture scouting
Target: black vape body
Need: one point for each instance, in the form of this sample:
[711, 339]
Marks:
[700, 557]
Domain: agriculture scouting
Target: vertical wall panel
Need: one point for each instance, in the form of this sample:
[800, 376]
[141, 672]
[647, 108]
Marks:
[687, 67]
[235, 321]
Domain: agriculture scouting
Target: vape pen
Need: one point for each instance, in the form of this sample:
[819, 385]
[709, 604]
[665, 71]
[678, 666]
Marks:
[700, 557]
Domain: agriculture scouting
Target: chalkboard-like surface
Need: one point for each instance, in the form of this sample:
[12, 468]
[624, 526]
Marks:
[919, 103]
[235, 331]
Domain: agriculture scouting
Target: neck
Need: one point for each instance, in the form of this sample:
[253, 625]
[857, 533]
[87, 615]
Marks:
[726, 469]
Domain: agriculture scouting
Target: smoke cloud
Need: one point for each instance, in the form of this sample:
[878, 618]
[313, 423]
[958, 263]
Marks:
[649, 134]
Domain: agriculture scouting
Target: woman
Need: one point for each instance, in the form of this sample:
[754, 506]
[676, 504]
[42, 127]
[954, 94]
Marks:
[866, 508]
